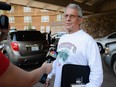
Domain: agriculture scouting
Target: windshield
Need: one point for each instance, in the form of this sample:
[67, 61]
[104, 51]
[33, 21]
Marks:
[27, 36]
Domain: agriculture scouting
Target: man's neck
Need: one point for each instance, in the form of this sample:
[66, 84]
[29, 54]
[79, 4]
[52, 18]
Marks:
[70, 31]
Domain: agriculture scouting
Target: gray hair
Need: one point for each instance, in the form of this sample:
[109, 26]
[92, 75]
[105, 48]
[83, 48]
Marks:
[77, 7]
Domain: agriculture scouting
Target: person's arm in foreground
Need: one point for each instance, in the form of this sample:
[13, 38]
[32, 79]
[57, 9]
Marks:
[13, 76]
[16, 77]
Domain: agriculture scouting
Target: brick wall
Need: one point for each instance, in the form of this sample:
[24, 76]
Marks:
[100, 25]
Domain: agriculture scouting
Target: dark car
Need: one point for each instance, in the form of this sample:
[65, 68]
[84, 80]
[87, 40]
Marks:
[26, 47]
[110, 55]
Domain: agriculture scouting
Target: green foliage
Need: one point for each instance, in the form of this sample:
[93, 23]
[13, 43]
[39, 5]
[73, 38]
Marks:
[29, 26]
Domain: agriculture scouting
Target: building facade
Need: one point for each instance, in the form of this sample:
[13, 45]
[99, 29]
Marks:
[23, 18]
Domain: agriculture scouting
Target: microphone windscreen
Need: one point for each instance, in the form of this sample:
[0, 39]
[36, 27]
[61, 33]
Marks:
[4, 22]
[5, 6]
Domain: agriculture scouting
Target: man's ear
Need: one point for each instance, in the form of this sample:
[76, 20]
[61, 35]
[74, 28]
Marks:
[80, 20]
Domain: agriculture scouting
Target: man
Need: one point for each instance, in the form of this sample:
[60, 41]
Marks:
[77, 47]
[11, 75]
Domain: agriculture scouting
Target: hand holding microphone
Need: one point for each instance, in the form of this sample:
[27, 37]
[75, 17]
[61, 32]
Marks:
[51, 56]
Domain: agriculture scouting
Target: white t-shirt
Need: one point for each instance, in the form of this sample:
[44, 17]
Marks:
[81, 49]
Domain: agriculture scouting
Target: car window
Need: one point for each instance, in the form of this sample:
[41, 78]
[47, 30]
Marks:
[57, 35]
[27, 36]
[112, 36]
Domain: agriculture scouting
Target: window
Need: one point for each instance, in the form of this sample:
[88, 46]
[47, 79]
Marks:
[12, 9]
[112, 36]
[47, 29]
[12, 27]
[33, 27]
[27, 19]
[27, 9]
[26, 27]
[27, 36]
[42, 29]
[44, 18]
[59, 17]
[11, 19]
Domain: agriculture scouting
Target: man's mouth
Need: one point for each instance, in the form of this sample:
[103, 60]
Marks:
[68, 24]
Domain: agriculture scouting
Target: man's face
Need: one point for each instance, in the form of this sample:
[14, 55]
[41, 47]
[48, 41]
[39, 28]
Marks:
[72, 20]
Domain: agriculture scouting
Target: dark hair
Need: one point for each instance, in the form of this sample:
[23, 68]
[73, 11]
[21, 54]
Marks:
[4, 22]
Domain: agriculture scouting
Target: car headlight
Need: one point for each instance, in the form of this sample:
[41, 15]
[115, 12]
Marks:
[107, 50]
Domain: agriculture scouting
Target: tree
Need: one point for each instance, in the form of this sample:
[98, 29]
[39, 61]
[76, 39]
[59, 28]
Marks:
[29, 26]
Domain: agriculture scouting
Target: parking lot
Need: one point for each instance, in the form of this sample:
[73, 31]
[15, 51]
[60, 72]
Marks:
[109, 78]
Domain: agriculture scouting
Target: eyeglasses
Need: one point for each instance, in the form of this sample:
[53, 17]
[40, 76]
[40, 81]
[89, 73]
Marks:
[70, 16]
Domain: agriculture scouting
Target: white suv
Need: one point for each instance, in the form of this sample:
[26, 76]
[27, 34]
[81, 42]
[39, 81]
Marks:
[102, 41]
[58, 34]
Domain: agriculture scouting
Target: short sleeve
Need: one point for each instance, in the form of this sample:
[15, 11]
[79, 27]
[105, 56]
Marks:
[4, 63]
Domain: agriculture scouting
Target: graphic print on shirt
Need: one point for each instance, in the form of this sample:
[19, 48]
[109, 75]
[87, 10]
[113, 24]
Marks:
[65, 49]
[63, 55]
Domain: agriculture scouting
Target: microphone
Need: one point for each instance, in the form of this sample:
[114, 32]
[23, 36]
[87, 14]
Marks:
[5, 6]
[51, 56]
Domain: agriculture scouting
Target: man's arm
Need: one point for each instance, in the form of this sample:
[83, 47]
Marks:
[95, 64]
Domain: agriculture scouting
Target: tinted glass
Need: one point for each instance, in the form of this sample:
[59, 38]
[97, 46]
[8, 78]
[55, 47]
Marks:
[27, 36]
[112, 36]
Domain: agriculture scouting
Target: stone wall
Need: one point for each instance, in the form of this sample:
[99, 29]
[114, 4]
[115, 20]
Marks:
[100, 25]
